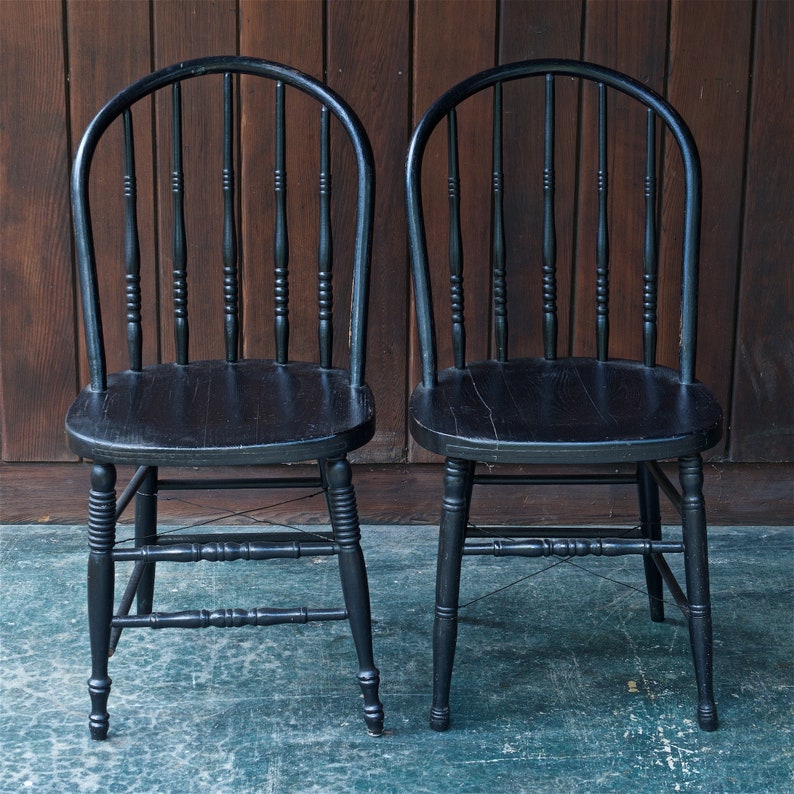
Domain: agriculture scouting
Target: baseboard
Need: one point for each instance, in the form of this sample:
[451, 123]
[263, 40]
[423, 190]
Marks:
[736, 495]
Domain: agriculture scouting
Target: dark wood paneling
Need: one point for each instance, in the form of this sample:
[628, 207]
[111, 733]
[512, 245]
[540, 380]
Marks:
[762, 426]
[290, 33]
[101, 63]
[37, 329]
[185, 29]
[711, 94]
[550, 29]
[623, 36]
[368, 62]
[439, 62]
[391, 59]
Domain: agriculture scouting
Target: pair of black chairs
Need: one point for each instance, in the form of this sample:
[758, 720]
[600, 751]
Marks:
[256, 398]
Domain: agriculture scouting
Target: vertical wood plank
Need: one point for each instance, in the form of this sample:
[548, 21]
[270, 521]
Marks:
[368, 63]
[37, 363]
[290, 33]
[440, 61]
[762, 420]
[539, 29]
[108, 49]
[711, 94]
[628, 36]
[184, 29]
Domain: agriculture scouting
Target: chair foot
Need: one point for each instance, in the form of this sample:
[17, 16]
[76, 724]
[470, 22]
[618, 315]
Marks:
[707, 717]
[99, 721]
[373, 708]
[439, 719]
[99, 731]
[697, 583]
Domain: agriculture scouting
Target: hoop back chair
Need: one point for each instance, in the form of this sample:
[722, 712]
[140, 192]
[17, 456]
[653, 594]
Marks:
[556, 403]
[278, 404]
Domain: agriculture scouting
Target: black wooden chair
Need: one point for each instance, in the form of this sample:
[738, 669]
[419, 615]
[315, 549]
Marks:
[560, 401]
[254, 399]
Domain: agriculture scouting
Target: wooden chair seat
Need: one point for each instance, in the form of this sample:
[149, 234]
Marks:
[220, 413]
[575, 410]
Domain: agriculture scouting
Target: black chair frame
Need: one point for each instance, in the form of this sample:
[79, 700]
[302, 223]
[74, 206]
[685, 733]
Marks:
[448, 418]
[336, 401]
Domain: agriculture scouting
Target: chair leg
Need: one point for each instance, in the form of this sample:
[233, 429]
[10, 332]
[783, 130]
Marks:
[651, 521]
[146, 534]
[458, 481]
[690, 470]
[101, 580]
[353, 573]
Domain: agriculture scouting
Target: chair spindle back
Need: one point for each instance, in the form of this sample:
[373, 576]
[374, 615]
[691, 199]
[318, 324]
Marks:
[604, 79]
[282, 78]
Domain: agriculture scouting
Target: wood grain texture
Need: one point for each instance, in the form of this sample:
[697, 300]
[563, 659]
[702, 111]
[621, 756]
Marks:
[711, 94]
[37, 327]
[214, 413]
[565, 411]
[368, 63]
[763, 412]
[395, 58]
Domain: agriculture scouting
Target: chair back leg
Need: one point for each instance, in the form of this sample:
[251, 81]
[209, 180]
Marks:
[651, 526]
[145, 534]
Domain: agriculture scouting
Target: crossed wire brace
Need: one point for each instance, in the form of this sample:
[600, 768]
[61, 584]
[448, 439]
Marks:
[250, 514]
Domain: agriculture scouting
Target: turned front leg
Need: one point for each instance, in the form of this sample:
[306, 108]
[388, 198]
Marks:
[101, 580]
[353, 573]
[458, 478]
[697, 583]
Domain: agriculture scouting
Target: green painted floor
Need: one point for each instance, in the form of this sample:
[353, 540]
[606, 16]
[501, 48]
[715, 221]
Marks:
[561, 683]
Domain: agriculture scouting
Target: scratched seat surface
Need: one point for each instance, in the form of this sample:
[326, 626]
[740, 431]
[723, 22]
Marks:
[571, 410]
[215, 412]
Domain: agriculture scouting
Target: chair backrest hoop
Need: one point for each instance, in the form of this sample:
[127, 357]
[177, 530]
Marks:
[445, 105]
[221, 64]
